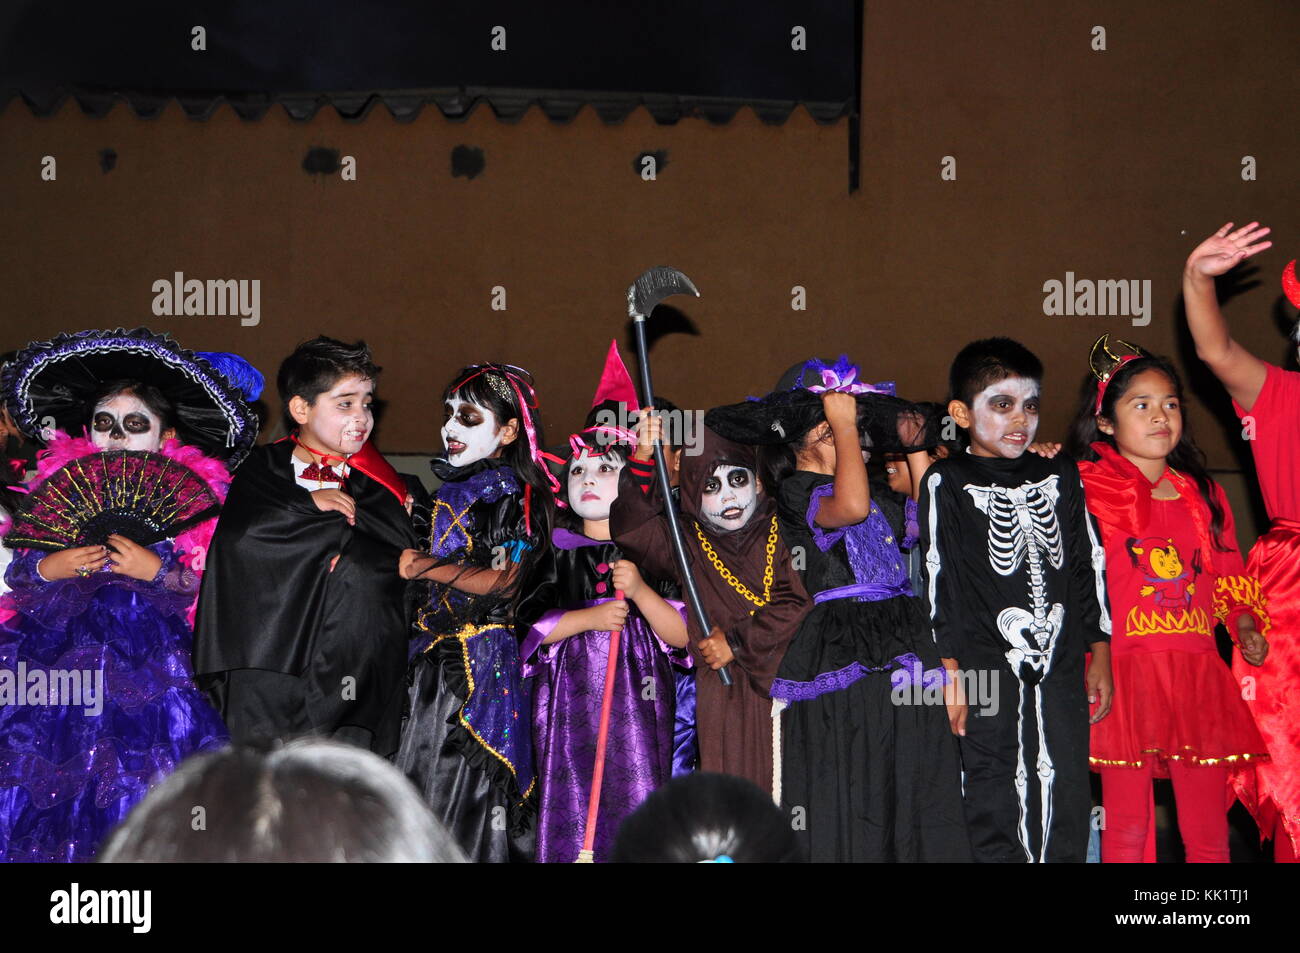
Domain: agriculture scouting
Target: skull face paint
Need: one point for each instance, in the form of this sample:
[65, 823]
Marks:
[124, 422]
[340, 420]
[1004, 418]
[593, 485]
[729, 498]
[470, 431]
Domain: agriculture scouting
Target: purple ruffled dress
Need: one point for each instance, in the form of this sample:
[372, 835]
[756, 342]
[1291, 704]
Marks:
[645, 747]
[70, 772]
[869, 759]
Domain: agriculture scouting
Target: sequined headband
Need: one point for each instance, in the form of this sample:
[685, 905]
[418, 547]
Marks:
[514, 380]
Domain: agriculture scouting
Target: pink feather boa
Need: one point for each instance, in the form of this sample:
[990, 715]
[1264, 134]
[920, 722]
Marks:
[191, 546]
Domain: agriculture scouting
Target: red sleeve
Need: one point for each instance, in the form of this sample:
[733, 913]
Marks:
[642, 472]
[1234, 589]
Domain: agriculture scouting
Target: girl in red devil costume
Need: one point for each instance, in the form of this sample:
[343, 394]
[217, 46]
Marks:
[1172, 569]
[1267, 399]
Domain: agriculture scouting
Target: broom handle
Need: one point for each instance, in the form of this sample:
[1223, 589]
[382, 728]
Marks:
[602, 736]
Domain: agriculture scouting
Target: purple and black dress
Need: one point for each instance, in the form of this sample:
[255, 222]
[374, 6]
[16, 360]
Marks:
[466, 743]
[645, 747]
[868, 757]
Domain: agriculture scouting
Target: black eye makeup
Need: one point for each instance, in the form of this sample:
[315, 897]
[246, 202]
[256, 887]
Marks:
[738, 478]
[137, 423]
[712, 485]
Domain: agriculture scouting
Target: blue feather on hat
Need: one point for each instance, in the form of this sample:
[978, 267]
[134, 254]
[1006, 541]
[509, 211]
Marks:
[238, 371]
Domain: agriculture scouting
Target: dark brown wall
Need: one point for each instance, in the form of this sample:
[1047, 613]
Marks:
[1108, 164]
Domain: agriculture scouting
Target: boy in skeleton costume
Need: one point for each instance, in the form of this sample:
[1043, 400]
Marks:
[1014, 578]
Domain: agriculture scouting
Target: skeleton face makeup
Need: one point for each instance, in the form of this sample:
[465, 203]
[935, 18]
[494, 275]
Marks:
[341, 419]
[124, 422]
[593, 485]
[470, 431]
[1004, 418]
[729, 499]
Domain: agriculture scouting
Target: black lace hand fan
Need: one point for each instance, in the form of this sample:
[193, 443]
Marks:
[146, 497]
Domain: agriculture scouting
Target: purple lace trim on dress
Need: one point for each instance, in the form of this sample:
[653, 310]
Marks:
[863, 592]
[874, 555]
[908, 671]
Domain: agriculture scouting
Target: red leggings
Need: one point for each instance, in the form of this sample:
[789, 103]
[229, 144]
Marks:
[1128, 836]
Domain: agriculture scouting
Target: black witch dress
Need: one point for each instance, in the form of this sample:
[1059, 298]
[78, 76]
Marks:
[868, 754]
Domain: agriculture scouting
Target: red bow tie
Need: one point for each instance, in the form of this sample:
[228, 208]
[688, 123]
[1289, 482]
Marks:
[321, 474]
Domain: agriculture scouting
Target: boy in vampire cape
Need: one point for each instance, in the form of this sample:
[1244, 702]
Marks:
[302, 622]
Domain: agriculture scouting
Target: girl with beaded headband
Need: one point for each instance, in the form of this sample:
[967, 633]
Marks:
[596, 591]
[1266, 398]
[875, 768]
[466, 743]
[1173, 569]
[107, 556]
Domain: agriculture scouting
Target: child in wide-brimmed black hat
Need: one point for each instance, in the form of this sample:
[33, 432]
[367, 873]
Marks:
[107, 545]
[869, 764]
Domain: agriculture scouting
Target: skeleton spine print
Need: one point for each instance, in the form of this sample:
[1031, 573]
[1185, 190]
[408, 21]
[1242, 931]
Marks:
[1024, 530]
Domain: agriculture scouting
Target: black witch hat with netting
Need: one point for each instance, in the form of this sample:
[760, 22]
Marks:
[47, 385]
[890, 424]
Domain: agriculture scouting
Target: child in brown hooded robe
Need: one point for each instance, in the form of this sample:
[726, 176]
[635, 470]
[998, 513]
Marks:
[754, 599]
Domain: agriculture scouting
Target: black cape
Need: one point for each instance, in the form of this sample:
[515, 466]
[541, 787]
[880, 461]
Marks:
[283, 645]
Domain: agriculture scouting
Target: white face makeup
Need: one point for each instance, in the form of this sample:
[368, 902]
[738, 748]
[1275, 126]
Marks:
[593, 485]
[729, 499]
[125, 423]
[341, 419]
[470, 432]
[1004, 418]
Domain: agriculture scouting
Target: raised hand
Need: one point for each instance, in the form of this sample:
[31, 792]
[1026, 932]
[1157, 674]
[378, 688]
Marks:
[1226, 249]
[840, 408]
[649, 428]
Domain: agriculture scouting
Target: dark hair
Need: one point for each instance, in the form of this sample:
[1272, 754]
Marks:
[1186, 456]
[778, 461]
[310, 801]
[147, 394]
[702, 816]
[935, 414]
[475, 384]
[661, 404]
[564, 516]
[317, 365]
[988, 361]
